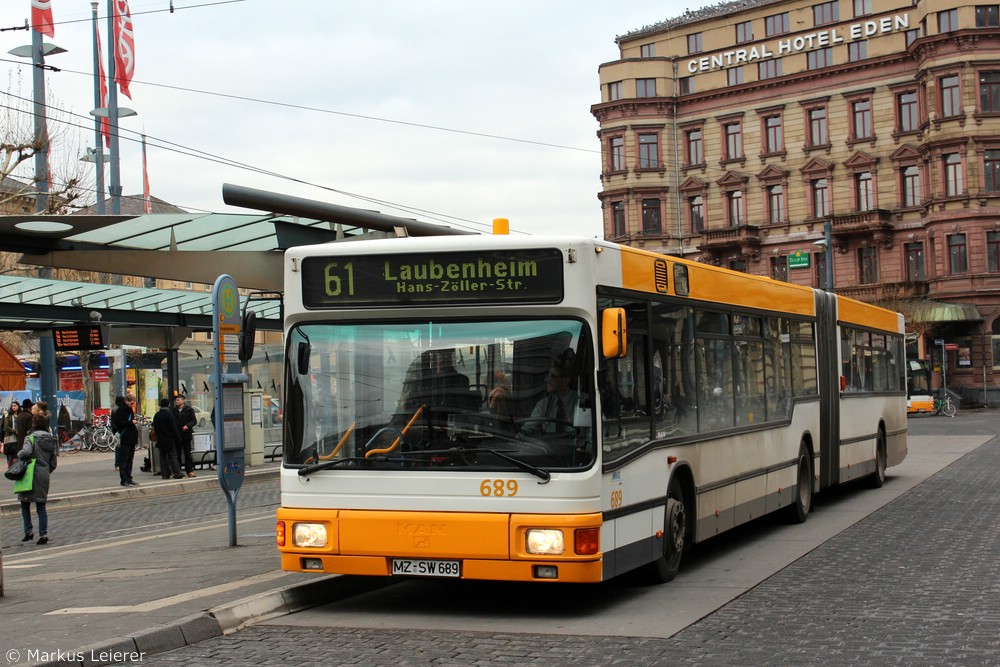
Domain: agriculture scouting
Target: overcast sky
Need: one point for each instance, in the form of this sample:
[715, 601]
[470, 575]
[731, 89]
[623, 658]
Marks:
[524, 71]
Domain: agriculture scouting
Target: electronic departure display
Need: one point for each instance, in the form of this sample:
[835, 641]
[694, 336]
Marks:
[78, 338]
[487, 276]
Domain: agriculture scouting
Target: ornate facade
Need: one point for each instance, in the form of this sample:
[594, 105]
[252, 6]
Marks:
[748, 133]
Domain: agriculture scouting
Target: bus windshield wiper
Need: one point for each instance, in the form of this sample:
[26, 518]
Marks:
[522, 465]
[323, 465]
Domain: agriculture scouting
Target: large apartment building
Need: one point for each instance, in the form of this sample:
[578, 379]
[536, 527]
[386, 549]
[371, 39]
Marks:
[747, 133]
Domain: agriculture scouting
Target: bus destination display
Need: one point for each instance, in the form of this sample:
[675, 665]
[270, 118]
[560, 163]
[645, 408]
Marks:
[78, 338]
[489, 276]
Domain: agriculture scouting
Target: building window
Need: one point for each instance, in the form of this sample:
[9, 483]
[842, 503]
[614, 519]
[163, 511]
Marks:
[907, 111]
[696, 212]
[650, 216]
[768, 69]
[912, 36]
[951, 98]
[868, 265]
[958, 259]
[989, 92]
[779, 268]
[645, 87]
[819, 58]
[647, 51]
[954, 182]
[614, 91]
[820, 188]
[827, 12]
[991, 170]
[617, 153]
[744, 32]
[775, 204]
[862, 7]
[734, 141]
[818, 132]
[947, 20]
[776, 25]
[864, 191]
[649, 151]
[618, 219]
[987, 16]
[738, 265]
[861, 114]
[735, 75]
[695, 148]
[694, 43]
[774, 137]
[857, 51]
[910, 181]
[993, 251]
[915, 262]
[819, 261]
[735, 208]
[686, 85]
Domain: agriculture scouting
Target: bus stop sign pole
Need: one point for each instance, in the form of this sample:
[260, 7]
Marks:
[229, 383]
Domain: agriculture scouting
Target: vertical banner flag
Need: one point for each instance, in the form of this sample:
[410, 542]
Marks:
[147, 203]
[41, 17]
[124, 42]
[105, 99]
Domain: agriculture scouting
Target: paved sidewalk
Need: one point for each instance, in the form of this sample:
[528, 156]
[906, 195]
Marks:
[141, 593]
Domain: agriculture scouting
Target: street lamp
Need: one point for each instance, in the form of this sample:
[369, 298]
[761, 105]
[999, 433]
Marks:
[827, 243]
[37, 51]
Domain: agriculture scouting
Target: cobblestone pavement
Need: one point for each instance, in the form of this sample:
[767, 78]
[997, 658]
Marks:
[913, 584]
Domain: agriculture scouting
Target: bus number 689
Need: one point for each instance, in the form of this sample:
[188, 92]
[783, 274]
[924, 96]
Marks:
[498, 487]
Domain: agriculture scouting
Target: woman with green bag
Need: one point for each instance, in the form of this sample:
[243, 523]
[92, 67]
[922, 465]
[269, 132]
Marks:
[42, 446]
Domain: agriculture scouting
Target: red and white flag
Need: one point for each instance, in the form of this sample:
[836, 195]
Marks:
[124, 46]
[41, 17]
[105, 99]
[147, 202]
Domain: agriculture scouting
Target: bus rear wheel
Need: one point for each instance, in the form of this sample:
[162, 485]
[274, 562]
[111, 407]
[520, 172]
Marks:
[799, 510]
[877, 478]
[675, 538]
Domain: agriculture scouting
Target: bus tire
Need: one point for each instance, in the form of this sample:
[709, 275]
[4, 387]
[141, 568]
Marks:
[801, 505]
[877, 478]
[675, 538]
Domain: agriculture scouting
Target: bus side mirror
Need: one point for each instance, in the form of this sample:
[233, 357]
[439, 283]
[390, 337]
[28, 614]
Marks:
[247, 334]
[613, 337]
[302, 359]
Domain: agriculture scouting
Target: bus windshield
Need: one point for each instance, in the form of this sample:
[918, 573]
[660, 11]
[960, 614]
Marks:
[484, 395]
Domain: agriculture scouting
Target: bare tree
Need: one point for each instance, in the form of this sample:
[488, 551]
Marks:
[69, 179]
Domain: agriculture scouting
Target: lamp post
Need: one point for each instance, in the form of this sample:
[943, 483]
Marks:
[827, 243]
[99, 152]
[37, 51]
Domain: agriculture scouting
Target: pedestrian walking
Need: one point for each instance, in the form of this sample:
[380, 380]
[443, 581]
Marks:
[123, 423]
[168, 438]
[186, 420]
[42, 446]
[24, 422]
[10, 432]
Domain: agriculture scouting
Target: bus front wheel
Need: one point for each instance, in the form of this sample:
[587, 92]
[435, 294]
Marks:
[799, 510]
[675, 532]
[877, 478]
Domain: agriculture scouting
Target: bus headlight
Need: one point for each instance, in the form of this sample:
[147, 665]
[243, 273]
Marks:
[309, 535]
[546, 541]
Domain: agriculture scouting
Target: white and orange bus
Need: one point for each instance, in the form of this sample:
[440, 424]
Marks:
[563, 409]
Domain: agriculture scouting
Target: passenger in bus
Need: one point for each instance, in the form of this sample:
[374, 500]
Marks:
[501, 399]
[554, 412]
[438, 384]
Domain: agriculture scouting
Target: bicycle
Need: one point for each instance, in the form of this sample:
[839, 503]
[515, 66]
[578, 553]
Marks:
[944, 406]
[88, 438]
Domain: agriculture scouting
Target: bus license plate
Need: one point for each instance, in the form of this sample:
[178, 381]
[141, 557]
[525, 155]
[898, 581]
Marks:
[426, 568]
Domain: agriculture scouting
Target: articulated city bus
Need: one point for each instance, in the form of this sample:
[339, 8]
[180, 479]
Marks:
[563, 409]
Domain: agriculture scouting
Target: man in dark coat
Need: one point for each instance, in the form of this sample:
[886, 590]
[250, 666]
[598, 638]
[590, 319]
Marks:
[168, 437]
[186, 420]
[123, 423]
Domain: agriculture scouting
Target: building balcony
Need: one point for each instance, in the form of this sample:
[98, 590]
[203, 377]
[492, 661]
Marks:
[743, 239]
[875, 226]
[885, 292]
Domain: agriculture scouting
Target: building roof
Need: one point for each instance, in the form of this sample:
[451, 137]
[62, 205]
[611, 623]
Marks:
[689, 17]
